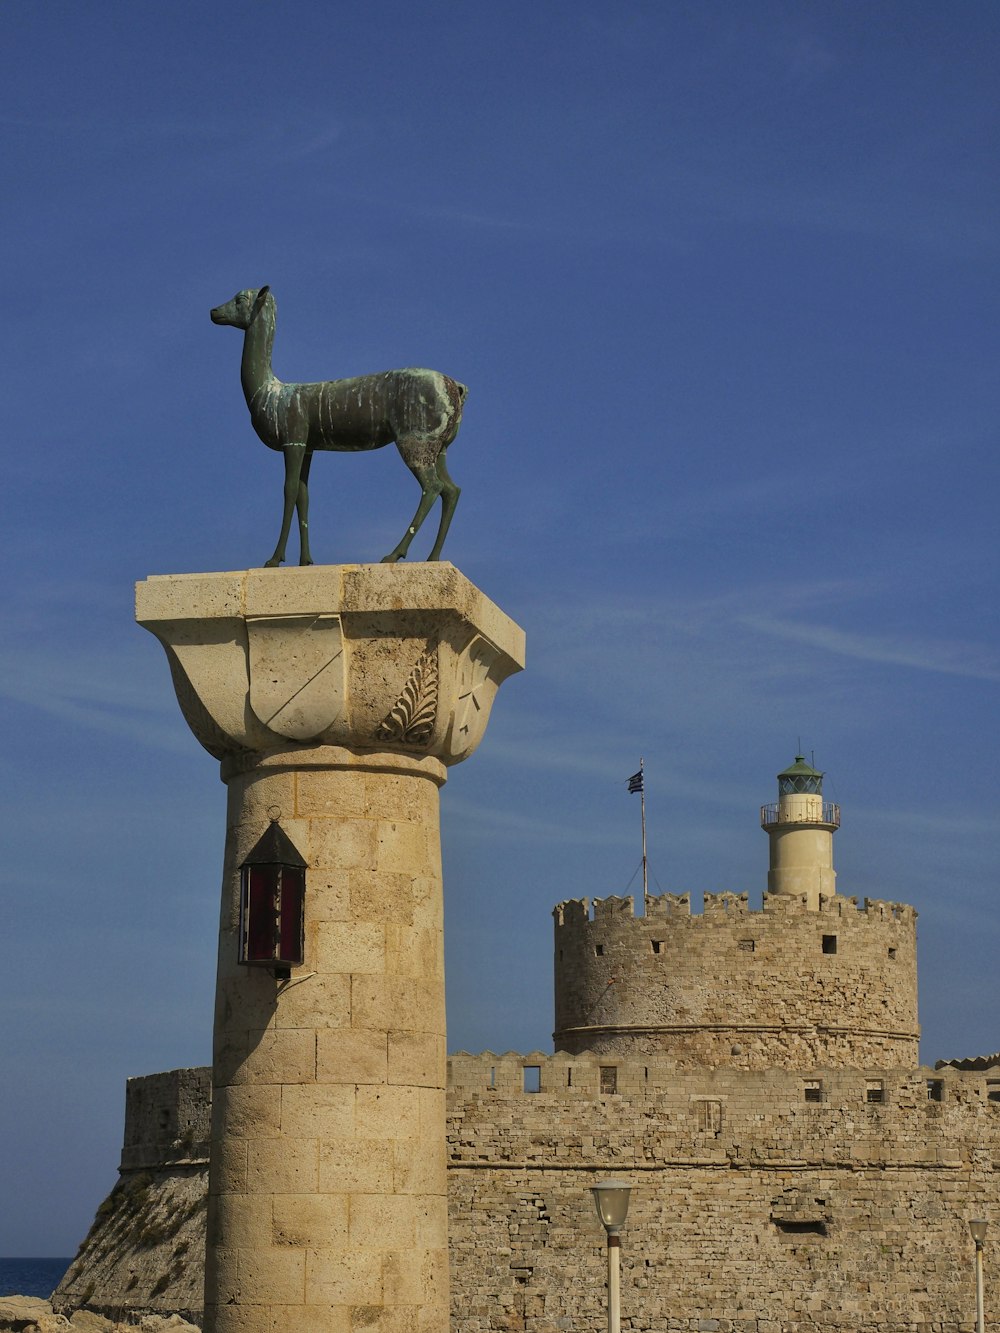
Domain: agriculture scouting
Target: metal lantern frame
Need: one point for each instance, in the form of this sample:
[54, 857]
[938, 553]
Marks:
[272, 904]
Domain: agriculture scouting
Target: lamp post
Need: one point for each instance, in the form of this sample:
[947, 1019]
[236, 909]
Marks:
[611, 1201]
[978, 1229]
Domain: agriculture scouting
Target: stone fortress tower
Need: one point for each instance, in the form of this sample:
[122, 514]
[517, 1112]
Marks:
[810, 979]
[753, 1074]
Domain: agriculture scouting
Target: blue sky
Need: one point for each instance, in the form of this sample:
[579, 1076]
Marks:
[722, 279]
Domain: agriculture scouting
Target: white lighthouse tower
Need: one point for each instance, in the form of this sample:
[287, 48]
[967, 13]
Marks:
[800, 827]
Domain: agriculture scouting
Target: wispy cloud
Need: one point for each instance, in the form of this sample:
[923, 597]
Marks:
[92, 692]
[952, 657]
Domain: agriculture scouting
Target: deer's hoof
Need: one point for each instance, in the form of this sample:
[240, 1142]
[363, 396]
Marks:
[273, 563]
[392, 559]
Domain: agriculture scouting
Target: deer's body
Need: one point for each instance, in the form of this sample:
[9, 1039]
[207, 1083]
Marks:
[420, 410]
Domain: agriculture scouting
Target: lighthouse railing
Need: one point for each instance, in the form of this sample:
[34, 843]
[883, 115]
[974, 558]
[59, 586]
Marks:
[828, 813]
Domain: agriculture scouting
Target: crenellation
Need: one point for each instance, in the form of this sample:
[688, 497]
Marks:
[613, 908]
[665, 905]
[725, 904]
[572, 912]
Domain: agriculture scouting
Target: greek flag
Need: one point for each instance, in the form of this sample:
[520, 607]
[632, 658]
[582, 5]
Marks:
[635, 782]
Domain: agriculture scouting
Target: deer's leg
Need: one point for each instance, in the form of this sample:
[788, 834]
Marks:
[449, 499]
[430, 489]
[302, 507]
[294, 454]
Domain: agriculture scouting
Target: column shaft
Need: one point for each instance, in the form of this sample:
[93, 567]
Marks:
[327, 1204]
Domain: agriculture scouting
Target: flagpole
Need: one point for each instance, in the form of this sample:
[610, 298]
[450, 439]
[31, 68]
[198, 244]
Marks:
[642, 798]
[636, 783]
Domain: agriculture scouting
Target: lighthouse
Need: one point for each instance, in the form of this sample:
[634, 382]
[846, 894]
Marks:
[800, 826]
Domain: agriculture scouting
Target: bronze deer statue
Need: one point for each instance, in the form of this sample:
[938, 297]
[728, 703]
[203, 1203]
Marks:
[419, 410]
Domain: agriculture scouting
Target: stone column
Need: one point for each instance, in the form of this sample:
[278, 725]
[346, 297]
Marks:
[335, 697]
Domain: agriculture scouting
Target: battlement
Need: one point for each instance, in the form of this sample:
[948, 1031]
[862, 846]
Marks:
[586, 911]
[796, 981]
[590, 1076]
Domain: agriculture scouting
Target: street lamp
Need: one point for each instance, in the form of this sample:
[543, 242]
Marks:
[611, 1201]
[978, 1229]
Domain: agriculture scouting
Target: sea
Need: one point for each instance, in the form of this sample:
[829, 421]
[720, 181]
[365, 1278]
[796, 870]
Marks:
[31, 1277]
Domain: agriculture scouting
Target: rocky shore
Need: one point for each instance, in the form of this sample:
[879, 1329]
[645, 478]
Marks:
[29, 1314]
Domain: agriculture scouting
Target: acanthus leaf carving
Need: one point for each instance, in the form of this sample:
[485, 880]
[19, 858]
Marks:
[411, 719]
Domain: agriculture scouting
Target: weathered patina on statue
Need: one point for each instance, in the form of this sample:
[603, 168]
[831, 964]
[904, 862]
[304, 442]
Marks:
[419, 410]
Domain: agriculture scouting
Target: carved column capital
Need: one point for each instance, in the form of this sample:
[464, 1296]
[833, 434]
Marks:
[404, 658]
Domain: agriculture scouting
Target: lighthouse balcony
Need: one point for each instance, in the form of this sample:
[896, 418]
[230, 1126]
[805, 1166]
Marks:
[827, 814]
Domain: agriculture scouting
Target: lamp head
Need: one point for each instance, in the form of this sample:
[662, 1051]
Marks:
[611, 1201]
[977, 1226]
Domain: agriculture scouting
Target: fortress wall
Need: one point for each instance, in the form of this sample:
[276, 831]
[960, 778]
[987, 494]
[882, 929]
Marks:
[753, 1211]
[785, 986]
[167, 1118]
[753, 1207]
[146, 1249]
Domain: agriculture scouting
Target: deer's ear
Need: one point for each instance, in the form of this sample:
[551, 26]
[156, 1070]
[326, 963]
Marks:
[258, 303]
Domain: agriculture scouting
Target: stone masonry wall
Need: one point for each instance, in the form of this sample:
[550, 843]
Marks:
[754, 1210]
[782, 987]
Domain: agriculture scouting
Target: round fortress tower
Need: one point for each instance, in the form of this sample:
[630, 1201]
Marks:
[812, 979]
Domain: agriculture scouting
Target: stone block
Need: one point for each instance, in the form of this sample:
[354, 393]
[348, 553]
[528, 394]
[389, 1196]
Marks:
[354, 1165]
[432, 1221]
[328, 898]
[231, 1043]
[425, 896]
[392, 1112]
[342, 844]
[353, 1055]
[317, 1001]
[416, 1276]
[417, 1059]
[385, 1319]
[241, 1220]
[222, 1270]
[229, 1165]
[286, 1055]
[251, 799]
[392, 796]
[330, 794]
[323, 1318]
[350, 946]
[418, 1173]
[401, 847]
[343, 1277]
[283, 1166]
[383, 1221]
[245, 998]
[380, 896]
[414, 951]
[240, 1318]
[272, 1276]
[317, 1110]
[432, 1107]
[402, 1003]
[249, 1110]
[307, 1220]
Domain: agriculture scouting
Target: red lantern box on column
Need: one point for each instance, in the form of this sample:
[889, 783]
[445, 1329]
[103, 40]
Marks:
[272, 900]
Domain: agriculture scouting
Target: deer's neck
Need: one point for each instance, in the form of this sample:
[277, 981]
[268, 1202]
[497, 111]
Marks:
[255, 368]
